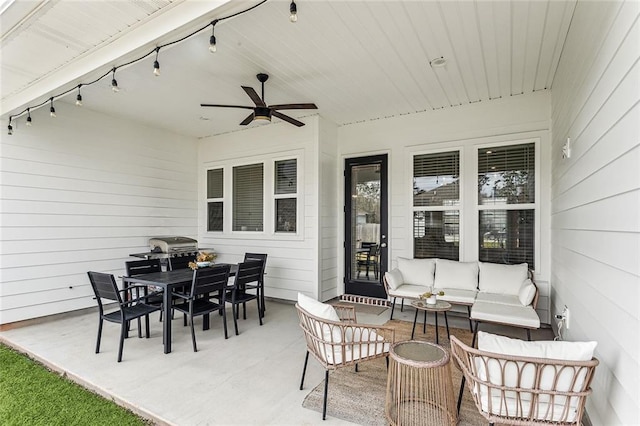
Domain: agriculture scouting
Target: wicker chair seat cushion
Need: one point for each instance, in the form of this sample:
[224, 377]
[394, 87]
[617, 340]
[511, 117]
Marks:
[457, 296]
[417, 271]
[361, 343]
[456, 275]
[502, 279]
[525, 375]
[515, 315]
[409, 291]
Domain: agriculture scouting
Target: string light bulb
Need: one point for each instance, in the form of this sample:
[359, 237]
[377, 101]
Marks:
[293, 9]
[10, 128]
[212, 39]
[52, 110]
[114, 82]
[156, 64]
[28, 117]
[79, 96]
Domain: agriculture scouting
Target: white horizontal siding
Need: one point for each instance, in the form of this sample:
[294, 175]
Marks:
[328, 168]
[81, 192]
[596, 199]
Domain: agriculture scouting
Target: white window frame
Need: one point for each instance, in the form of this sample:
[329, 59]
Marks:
[214, 200]
[285, 196]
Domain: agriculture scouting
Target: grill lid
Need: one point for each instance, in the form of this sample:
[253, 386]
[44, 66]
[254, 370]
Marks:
[172, 244]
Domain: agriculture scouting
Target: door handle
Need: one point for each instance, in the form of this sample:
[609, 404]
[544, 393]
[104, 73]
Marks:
[383, 245]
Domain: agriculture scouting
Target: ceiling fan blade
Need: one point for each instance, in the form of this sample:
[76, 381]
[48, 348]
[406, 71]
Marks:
[294, 106]
[254, 96]
[226, 106]
[288, 119]
[247, 120]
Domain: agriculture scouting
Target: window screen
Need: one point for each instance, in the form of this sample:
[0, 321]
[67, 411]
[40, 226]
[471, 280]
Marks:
[248, 201]
[286, 178]
[215, 196]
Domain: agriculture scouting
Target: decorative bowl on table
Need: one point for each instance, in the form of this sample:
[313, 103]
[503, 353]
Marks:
[203, 264]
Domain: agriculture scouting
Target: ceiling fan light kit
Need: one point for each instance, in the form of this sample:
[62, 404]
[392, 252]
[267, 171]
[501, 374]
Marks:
[262, 111]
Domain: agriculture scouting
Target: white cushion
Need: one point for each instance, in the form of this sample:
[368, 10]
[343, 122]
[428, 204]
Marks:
[452, 274]
[394, 278]
[527, 293]
[502, 299]
[409, 291]
[367, 344]
[323, 311]
[503, 279]
[457, 296]
[516, 315]
[525, 376]
[417, 271]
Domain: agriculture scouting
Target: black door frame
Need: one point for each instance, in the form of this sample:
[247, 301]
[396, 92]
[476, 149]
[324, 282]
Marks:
[352, 285]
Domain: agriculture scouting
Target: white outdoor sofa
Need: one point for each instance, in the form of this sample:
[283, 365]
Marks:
[494, 293]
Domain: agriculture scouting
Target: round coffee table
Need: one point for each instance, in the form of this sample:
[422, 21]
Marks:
[419, 385]
[439, 306]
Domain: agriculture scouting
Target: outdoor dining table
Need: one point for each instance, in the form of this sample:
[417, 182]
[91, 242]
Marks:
[168, 281]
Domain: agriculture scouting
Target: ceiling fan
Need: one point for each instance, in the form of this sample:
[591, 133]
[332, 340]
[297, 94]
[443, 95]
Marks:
[262, 111]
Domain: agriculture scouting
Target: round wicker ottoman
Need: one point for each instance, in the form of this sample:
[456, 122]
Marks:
[419, 387]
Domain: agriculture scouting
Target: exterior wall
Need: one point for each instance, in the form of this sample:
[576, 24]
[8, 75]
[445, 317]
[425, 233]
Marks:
[292, 263]
[78, 193]
[596, 199]
[330, 282]
[525, 117]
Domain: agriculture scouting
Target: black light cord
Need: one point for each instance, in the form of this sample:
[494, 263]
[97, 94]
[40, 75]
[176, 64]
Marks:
[114, 69]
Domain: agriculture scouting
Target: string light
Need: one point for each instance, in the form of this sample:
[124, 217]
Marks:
[52, 110]
[79, 97]
[156, 64]
[114, 82]
[212, 39]
[293, 9]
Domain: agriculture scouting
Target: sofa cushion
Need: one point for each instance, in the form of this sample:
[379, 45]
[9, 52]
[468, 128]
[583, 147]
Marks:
[453, 274]
[502, 279]
[458, 296]
[502, 299]
[515, 315]
[417, 271]
[409, 291]
[527, 293]
[394, 278]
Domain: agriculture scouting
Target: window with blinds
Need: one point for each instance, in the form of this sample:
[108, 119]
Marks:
[285, 194]
[248, 197]
[215, 200]
[436, 204]
[506, 200]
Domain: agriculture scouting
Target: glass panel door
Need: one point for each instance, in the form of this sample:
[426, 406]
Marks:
[365, 225]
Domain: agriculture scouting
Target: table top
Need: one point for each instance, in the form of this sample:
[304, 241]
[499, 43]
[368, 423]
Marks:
[167, 278]
[439, 306]
[420, 354]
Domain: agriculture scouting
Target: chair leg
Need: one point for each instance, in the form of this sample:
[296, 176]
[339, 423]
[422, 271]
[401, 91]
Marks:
[235, 309]
[99, 335]
[528, 334]
[326, 388]
[259, 310]
[193, 333]
[146, 323]
[393, 306]
[387, 359]
[475, 334]
[460, 394]
[304, 369]
[123, 330]
[356, 367]
[244, 311]
[469, 312]
[402, 305]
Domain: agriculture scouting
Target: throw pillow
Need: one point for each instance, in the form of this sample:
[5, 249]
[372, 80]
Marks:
[527, 293]
[417, 271]
[459, 275]
[394, 278]
[503, 279]
[323, 311]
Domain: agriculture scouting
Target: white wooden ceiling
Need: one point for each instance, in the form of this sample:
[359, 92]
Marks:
[357, 60]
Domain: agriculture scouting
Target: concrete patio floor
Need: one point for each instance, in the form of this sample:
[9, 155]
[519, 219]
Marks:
[250, 379]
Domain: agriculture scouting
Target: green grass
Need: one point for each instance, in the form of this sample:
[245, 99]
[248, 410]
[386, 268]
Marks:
[30, 394]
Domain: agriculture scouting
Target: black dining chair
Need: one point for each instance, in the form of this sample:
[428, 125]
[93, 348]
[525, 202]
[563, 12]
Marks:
[146, 266]
[207, 294]
[105, 288]
[260, 285]
[248, 274]
[180, 262]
